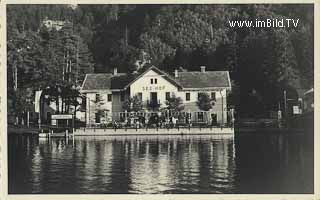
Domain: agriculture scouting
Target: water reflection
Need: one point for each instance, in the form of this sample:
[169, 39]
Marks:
[161, 164]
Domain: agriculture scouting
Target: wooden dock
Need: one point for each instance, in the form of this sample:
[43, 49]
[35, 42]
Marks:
[55, 135]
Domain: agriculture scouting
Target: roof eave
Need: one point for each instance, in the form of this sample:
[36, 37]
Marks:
[150, 68]
[85, 79]
[207, 88]
[95, 90]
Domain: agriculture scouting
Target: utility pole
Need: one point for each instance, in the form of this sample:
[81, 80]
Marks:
[126, 36]
[15, 77]
[28, 118]
[89, 111]
[285, 103]
[77, 62]
[221, 107]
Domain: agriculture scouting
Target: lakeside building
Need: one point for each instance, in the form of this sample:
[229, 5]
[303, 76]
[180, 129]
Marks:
[106, 94]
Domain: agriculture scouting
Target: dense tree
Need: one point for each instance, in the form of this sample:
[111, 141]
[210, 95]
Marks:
[132, 37]
[174, 103]
[132, 104]
[204, 102]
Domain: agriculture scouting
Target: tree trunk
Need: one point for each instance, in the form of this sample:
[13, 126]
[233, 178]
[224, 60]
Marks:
[57, 104]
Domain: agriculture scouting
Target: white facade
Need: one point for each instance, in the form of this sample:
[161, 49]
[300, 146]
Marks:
[100, 100]
[153, 86]
[152, 82]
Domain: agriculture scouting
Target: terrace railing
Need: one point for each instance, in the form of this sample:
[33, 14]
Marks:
[168, 119]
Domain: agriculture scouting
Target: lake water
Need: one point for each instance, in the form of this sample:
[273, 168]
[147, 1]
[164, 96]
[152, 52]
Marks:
[246, 163]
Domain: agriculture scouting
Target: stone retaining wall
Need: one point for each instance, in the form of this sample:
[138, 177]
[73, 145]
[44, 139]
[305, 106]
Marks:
[155, 131]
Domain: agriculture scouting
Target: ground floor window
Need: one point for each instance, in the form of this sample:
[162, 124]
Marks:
[200, 117]
[139, 96]
[214, 120]
[98, 117]
[109, 97]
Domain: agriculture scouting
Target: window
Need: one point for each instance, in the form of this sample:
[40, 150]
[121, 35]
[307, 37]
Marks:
[97, 117]
[121, 96]
[188, 96]
[167, 95]
[139, 96]
[151, 81]
[109, 97]
[214, 120]
[97, 97]
[213, 96]
[155, 81]
[200, 116]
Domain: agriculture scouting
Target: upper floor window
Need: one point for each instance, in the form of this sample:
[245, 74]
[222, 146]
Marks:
[188, 96]
[109, 97]
[97, 97]
[151, 81]
[213, 96]
[155, 81]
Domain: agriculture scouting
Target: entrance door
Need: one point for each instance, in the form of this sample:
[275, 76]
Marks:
[214, 120]
[153, 97]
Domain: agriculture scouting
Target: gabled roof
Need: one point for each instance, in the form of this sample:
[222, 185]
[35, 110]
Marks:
[204, 80]
[120, 81]
[101, 81]
[165, 75]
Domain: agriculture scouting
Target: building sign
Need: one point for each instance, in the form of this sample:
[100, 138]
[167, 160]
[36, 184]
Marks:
[65, 116]
[37, 101]
[153, 88]
[296, 110]
[279, 115]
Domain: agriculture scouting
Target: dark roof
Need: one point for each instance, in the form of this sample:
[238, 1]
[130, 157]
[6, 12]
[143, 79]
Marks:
[185, 80]
[97, 81]
[120, 81]
[208, 79]
[106, 81]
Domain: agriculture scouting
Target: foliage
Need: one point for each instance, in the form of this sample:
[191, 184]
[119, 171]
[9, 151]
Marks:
[132, 37]
[174, 103]
[204, 102]
[99, 102]
[132, 104]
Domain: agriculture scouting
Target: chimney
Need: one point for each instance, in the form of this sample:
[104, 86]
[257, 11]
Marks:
[115, 71]
[176, 73]
[203, 68]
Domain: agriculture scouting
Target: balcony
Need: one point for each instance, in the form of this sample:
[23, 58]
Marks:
[154, 105]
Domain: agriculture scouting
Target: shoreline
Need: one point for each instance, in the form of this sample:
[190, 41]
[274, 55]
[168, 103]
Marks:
[165, 131]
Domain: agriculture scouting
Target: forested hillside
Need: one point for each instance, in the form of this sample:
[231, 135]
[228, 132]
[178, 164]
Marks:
[96, 38]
